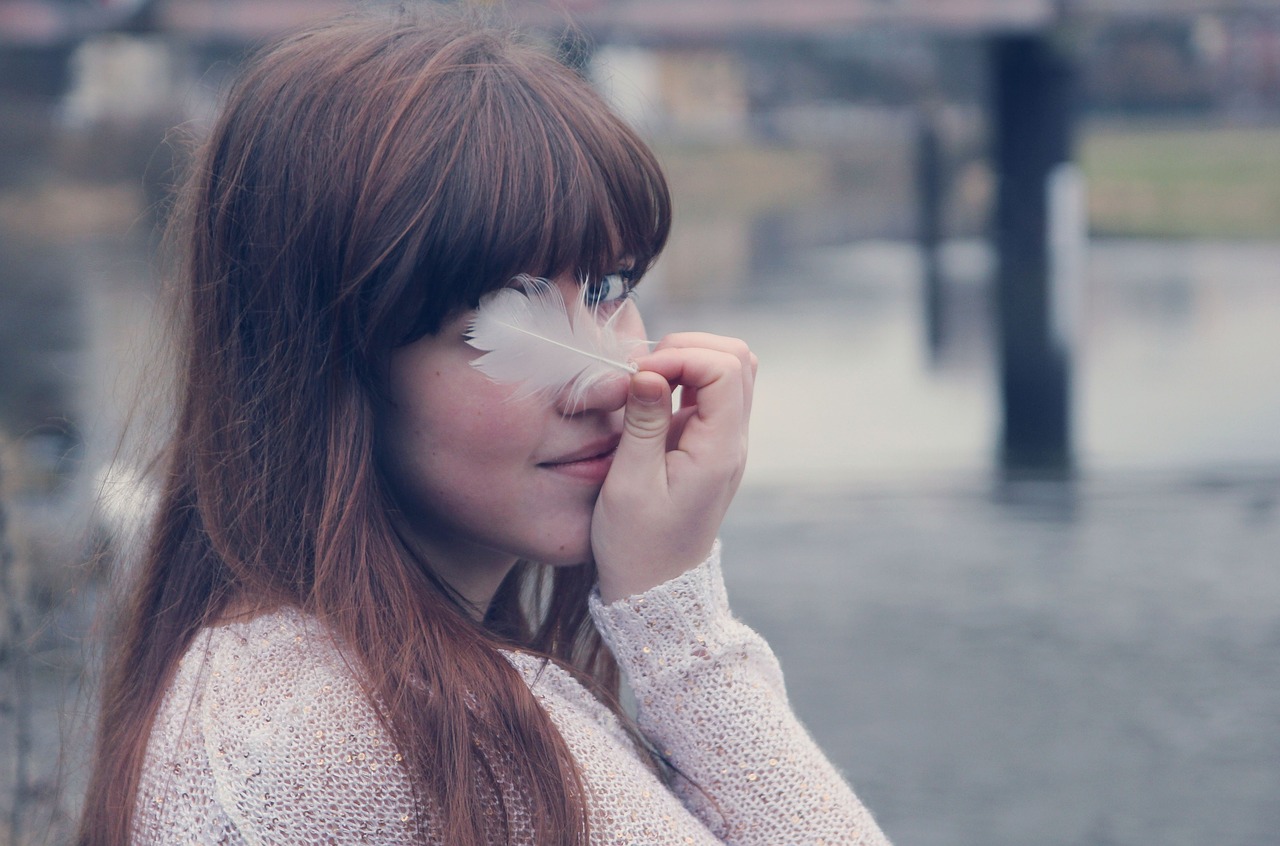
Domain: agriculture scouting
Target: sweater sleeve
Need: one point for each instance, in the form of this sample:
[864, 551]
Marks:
[710, 697]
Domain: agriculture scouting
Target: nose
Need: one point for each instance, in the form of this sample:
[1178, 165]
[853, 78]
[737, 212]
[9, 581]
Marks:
[605, 392]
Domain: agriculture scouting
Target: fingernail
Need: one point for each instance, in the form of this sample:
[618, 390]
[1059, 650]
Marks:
[645, 391]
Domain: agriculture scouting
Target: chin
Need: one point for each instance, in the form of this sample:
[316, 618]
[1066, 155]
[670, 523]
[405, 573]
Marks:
[562, 542]
[574, 551]
[566, 558]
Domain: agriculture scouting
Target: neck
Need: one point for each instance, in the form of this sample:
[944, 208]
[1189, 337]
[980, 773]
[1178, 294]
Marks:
[475, 572]
[476, 579]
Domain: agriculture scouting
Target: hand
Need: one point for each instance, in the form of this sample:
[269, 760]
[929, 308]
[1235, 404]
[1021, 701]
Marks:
[673, 475]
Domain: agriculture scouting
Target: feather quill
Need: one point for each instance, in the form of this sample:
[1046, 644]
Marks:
[533, 339]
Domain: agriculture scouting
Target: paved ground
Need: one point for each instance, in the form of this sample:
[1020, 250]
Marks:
[1089, 664]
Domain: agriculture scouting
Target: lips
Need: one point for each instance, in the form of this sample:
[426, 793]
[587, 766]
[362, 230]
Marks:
[591, 463]
[596, 450]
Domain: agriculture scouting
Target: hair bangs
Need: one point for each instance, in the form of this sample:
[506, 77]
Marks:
[540, 178]
[609, 203]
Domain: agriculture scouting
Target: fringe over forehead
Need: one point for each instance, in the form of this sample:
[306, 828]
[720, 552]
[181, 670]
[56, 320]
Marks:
[423, 161]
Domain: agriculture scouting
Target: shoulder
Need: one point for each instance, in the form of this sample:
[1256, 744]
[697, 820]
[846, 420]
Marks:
[274, 665]
[249, 679]
[238, 675]
[271, 722]
[279, 695]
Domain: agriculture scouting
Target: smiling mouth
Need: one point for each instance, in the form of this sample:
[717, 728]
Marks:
[592, 466]
[586, 459]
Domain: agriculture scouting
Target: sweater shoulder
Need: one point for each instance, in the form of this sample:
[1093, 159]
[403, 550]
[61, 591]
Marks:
[268, 728]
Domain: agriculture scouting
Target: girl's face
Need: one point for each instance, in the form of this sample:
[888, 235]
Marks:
[485, 479]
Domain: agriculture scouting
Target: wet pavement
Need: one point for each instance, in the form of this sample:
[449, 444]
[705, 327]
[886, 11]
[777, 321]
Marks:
[1087, 663]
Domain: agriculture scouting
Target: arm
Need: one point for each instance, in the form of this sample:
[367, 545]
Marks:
[711, 699]
[709, 689]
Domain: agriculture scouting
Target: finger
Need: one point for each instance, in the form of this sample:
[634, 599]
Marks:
[695, 370]
[677, 426]
[645, 423]
[706, 340]
[718, 420]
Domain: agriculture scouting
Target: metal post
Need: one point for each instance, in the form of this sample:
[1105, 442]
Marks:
[1039, 236]
[929, 198]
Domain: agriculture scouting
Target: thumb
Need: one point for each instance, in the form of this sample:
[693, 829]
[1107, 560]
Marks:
[646, 419]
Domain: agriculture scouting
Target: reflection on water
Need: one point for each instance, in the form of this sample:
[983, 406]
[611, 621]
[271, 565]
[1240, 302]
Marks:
[1182, 355]
[1178, 367]
[847, 389]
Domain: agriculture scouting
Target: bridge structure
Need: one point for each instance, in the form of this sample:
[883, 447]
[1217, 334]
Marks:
[53, 21]
[1038, 222]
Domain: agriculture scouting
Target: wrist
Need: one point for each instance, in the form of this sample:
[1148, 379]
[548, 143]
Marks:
[619, 577]
[678, 617]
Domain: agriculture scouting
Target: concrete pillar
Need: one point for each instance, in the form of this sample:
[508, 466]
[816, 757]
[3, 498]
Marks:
[1039, 236]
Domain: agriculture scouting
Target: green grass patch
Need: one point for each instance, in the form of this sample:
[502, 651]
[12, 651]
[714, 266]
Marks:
[1183, 182]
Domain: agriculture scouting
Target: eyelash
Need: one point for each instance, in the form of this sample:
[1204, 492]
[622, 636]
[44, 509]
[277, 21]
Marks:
[625, 277]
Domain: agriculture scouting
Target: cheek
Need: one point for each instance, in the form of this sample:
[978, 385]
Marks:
[467, 420]
[490, 433]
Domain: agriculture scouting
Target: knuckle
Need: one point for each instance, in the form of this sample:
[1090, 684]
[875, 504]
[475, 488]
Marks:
[646, 428]
[731, 363]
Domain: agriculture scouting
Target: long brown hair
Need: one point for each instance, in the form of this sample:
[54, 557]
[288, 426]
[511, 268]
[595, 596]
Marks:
[368, 178]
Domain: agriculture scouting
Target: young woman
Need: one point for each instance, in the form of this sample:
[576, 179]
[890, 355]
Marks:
[386, 597]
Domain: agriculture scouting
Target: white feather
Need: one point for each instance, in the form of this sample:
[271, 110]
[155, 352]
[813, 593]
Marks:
[533, 339]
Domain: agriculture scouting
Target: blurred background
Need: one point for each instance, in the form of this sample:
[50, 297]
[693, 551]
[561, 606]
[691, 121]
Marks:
[1012, 269]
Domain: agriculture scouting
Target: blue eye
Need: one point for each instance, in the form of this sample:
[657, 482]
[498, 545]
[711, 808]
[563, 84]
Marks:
[613, 288]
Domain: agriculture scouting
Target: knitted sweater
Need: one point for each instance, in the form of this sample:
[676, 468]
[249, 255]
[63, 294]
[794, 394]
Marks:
[264, 737]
